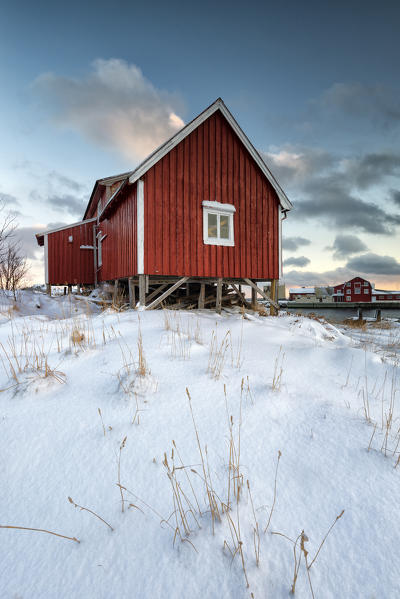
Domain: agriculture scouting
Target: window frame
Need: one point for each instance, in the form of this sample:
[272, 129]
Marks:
[219, 209]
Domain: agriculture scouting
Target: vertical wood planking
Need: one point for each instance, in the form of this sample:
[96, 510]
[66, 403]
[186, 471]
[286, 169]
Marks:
[210, 164]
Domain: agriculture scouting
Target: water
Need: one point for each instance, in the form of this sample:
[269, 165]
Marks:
[340, 314]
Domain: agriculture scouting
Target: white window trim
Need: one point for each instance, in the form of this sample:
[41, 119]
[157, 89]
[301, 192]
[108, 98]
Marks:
[220, 210]
[100, 239]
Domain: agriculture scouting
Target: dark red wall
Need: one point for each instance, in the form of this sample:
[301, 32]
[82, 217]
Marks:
[210, 164]
[67, 263]
[120, 245]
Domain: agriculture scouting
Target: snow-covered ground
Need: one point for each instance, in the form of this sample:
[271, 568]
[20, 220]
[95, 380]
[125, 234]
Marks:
[85, 406]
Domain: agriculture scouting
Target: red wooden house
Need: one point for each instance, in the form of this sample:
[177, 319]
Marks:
[203, 209]
[355, 290]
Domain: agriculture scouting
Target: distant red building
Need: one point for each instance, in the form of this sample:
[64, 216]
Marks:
[355, 290]
[361, 290]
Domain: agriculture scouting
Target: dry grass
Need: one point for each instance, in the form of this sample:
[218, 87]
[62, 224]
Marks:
[25, 357]
[278, 371]
[299, 550]
[274, 500]
[90, 512]
[121, 447]
[355, 324]
[49, 532]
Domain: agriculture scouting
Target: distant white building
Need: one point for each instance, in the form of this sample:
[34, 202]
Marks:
[311, 294]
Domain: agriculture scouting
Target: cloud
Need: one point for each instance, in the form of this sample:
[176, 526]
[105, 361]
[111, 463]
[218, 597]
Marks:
[8, 201]
[25, 236]
[67, 203]
[345, 245]
[372, 169]
[375, 264]
[115, 106]
[300, 261]
[330, 277]
[293, 164]
[394, 195]
[67, 182]
[360, 100]
[332, 202]
[291, 244]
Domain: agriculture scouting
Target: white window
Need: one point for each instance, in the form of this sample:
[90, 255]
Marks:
[357, 290]
[348, 298]
[218, 223]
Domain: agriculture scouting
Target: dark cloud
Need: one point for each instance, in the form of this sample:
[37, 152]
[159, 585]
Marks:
[372, 169]
[55, 225]
[67, 203]
[379, 104]
[8, 201]
[345, 245]
[332, 203]
[300, 261]
[374, 264]
[114, 106]
[394, 195]
[64, 181]
[25, 236]
[291, 244]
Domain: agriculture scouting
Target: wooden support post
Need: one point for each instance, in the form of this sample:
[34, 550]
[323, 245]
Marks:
[142, 291]
[262, 293]
[69, 289]
[273, 311]
[202, 296]
[378, 315]
[115, 292]
[165, 294]
[187, 289]
[360, 314]
[132, 296]
[219, 296]
[48, 289]
[253, 298]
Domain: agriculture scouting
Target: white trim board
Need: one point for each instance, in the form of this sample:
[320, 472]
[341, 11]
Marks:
[185, 131]
[140, 226]
[46, 260]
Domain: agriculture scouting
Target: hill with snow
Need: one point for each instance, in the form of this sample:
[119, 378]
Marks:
[212, 453]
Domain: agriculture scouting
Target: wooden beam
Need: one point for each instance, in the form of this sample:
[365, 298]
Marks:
[219, 296]
[201, 296]
[239, 293]
[132, 295]
[167, 293]
[156, 292]
[262, 293]
[142, 290]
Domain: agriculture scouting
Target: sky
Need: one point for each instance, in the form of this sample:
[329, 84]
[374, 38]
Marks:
[90, 89]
